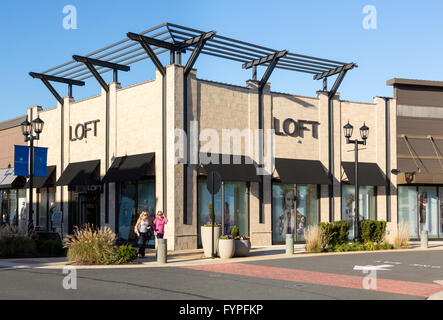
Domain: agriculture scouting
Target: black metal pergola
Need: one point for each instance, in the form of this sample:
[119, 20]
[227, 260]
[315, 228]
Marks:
[178, 40]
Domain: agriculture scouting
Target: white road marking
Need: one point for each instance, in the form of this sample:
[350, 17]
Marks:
[383, 267]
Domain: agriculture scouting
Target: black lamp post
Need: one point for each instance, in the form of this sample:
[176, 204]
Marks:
[364, 133]
[28, 130]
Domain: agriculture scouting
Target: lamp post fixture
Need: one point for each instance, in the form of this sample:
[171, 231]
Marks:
[28, 130]
[364, 133]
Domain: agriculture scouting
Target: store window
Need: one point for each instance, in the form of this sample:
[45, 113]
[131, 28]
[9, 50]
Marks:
[133, 199]
[407, 208]
[427, 210]
[12, 208]
[367, 204]
[46, 208]
[294, 208]
[234, 206]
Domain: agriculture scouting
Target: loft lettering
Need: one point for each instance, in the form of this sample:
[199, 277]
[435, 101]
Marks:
[80, 131]
[295, 128]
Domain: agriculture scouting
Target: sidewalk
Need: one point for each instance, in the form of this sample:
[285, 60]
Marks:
[195, 257]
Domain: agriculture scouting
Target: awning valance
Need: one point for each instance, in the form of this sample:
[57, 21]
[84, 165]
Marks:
[301, 171]
[369, 174]
[131, 168]
[10, 181]
[80, 173]
[231, 167]
[42, 182]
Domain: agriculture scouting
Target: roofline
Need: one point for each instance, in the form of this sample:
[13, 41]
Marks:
[12, 123]
[414, 82]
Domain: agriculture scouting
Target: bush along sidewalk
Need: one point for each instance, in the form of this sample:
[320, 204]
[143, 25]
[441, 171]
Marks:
[333, 237]
[15, 243]
[92, 246]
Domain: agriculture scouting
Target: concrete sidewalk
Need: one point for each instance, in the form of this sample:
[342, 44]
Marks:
[190, 257]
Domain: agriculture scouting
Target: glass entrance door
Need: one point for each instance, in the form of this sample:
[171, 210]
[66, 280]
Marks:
[85, 210]
[88, 209]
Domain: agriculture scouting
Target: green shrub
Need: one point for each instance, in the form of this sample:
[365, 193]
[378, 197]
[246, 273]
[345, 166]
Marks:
[235, 232]
[336, 233]
[357, 246]
[50, 248]
[372, 230]
[127, 254]
[17, 247]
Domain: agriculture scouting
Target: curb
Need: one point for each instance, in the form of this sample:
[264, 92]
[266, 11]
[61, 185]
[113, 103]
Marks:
[436, 296]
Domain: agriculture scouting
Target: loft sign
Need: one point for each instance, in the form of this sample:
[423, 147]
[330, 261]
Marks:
[80, 131]
[294, 128]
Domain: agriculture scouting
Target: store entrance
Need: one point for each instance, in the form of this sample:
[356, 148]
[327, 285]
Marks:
[85, 209]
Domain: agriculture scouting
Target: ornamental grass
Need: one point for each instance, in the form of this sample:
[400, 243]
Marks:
[89, 245]
[315, 239]
[401, 236]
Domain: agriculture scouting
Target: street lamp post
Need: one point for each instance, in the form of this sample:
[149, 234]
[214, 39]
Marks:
[364, 133]
[28, 130]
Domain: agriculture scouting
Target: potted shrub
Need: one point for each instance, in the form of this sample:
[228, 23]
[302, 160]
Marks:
[226, 247]
[242, 243]
[206, 234]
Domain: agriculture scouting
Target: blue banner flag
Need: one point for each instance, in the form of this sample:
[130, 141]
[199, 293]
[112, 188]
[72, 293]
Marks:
[21, 161]
[40, 158]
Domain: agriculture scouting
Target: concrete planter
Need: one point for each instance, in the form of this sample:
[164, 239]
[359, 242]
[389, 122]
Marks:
[242, 248]
[226, 248]
[206, 233]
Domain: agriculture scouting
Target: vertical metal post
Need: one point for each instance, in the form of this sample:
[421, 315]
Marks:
[179, 58]
[357, 202]
[70, 90]
[331, 158]
[254, 73]
[223, 208]
[260, 152]
[172, 57]
[115, 78]
[31, 182]
[213, 219]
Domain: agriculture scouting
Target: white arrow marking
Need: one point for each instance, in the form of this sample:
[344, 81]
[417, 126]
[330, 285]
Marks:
[382, 267]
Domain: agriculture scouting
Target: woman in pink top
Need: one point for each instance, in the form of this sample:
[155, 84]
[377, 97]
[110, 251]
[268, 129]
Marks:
[159, 225]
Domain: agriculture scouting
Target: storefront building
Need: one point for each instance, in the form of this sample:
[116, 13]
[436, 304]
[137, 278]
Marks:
[114, 155]
[13, 203]
[419, 157]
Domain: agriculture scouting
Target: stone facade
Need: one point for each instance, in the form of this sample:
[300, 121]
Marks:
[135, 126]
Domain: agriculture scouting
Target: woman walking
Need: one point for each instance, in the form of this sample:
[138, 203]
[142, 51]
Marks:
[159, 225]
[144, 231]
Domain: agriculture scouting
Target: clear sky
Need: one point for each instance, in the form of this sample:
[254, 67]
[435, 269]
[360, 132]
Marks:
[407, 41]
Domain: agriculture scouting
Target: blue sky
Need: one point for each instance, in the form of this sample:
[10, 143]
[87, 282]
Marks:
[407, 42]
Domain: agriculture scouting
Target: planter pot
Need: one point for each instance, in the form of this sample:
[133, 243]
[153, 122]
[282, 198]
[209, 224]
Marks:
[226, 248]
[242, 248]
[206, 233]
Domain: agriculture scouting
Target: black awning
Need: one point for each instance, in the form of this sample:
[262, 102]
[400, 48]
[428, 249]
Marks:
[43, 182]
[131, 168]
[243, 169]
[369, 174]
[301, 171]
[10, 181]
[80, 173]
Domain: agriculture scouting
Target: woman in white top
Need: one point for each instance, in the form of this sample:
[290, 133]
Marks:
[143, 229]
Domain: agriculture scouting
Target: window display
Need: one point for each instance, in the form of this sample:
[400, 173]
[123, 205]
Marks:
[134, 198]
[407, 208]
[235, 206]
[294, 208]
[427, 206]
[367, 205]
